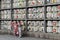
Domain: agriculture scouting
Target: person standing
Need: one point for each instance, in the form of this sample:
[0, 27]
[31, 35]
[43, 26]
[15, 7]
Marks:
[19, 29]
[20, 32]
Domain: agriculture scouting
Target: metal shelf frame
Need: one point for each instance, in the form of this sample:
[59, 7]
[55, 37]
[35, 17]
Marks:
[0, 14]
[27, 7]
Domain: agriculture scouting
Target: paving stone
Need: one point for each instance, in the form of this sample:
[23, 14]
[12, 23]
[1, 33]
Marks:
[10, 37]
[50, 35]
[42, 35]
[46, 35]
[36, 34]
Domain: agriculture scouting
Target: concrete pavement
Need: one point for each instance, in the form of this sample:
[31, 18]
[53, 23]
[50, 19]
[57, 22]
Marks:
[10, 37]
